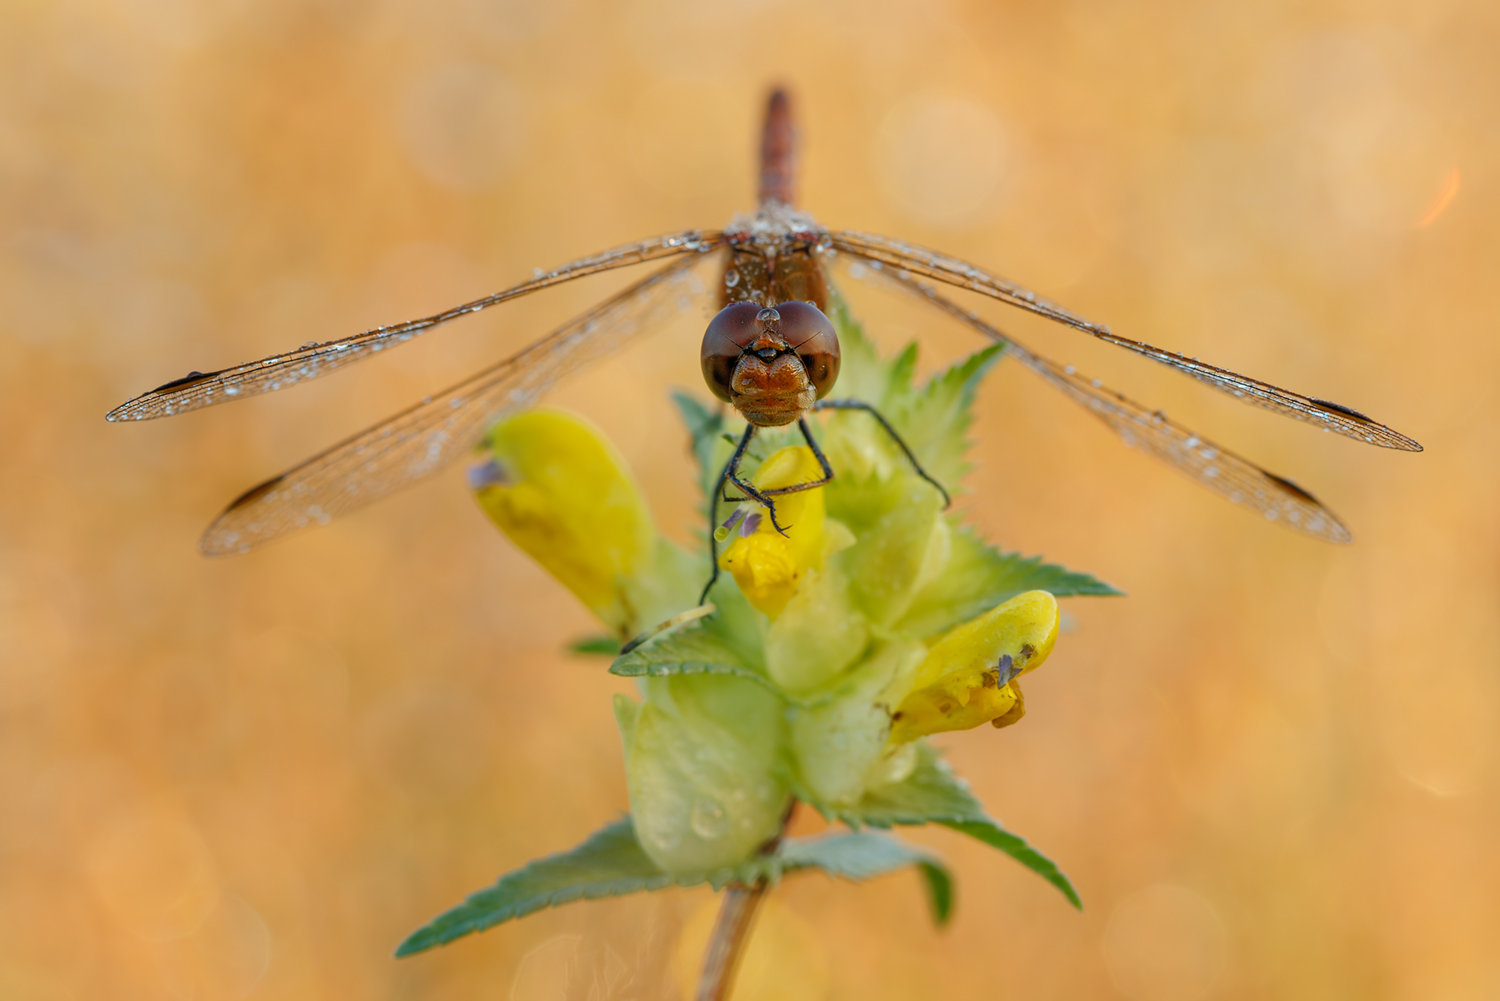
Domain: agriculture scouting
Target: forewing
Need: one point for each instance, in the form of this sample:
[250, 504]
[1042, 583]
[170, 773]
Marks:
[1225, 473]
[883, 252]
[203, 389]
[423, 439]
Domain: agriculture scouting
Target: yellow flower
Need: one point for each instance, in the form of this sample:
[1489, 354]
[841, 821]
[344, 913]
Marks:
[968, 676]
[766, 564]
[553, 483]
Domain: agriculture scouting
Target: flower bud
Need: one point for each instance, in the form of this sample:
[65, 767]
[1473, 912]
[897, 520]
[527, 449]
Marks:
[766, 564]
[554, 484]
[967, 677]
[702, 762]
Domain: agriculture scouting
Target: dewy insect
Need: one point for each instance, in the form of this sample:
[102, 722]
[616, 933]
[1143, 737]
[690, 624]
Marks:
[770, 352]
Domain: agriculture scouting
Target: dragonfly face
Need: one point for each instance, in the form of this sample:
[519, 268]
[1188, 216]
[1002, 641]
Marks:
[772, 363]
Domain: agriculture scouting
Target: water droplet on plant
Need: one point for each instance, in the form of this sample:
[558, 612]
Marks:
[709, 819]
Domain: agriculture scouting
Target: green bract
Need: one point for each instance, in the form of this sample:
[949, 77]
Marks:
[827, 655]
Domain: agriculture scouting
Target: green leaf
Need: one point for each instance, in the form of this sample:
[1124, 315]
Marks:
[932, 794]
[992, 834]
[705, 427]
[902, 370]
[645, 667]
[596, 646]
[726, 642]
[863, 855]
[610, 863]
[862, 375]
[935, 419]
[978, 577]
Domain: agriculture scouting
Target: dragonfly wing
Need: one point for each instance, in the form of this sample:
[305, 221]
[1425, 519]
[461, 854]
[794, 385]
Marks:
[1230, 476]
[202, 389]
[425, 438]
[1220, 470]
[883, 252]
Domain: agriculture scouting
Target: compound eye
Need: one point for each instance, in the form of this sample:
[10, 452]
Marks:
[728, 335]
[809, 333]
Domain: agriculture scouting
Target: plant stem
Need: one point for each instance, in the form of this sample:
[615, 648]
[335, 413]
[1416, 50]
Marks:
[732, 928]
[727, 946]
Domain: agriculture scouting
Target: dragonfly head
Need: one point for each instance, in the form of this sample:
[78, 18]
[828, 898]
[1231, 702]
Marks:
[771, 363]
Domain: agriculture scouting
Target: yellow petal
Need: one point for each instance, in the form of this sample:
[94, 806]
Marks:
[553, 483]
[766, 564]
[965, 678]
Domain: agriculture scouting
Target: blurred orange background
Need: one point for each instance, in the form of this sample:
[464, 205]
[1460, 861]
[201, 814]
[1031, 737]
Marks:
[1270, 769]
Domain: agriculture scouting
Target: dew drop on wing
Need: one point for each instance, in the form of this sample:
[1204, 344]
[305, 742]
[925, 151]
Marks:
[190, 377]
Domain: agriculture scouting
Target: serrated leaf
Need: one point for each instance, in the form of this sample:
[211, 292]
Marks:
[705, 428]
[935, 419]
[932, 794]
[862, 375]
[611, 863]
[903, 369]
[1016, 847]
[596, 646]
[864, 854]
[726, 642]
[977, 577]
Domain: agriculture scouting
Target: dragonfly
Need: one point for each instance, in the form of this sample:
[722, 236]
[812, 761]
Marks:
[770, 352]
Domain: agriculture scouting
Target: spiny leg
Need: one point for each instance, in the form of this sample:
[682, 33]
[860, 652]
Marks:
[713, 508]
[727, 476]
[731, 473]
[822, 461]
[861, 405]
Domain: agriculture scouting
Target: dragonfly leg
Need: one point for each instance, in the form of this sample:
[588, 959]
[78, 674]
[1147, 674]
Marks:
[861, 405]
[720, 486]
[729, 475]
[756, 495]
[822, 461]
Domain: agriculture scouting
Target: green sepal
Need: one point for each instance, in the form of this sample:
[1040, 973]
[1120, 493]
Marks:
[932, 794]
[611, 863]
[977, 577]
